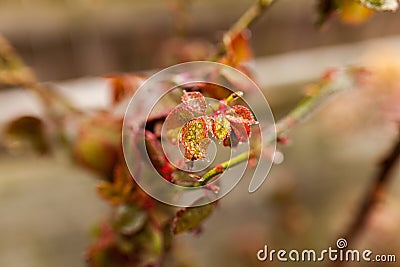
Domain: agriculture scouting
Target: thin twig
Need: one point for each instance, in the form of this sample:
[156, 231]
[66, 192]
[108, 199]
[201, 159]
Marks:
[217, 170]
[19, 74]
[249, 17]
[342, 80]
[374, 195]
[377, 191]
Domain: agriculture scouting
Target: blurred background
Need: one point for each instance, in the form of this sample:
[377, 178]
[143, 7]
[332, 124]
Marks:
[63, 39]
[49, 206]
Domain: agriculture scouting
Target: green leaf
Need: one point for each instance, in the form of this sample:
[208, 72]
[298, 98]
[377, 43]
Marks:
[94, 153]
[98, 142]
[190, 218]
[129, 219]
[150, 243]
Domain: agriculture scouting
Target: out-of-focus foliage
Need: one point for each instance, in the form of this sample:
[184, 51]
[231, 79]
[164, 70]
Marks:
[26, 132]
[352, 11]
[238, 50]
[98, 143]
[188, 219]
[124, 85]
[13, 71]
[381, 5]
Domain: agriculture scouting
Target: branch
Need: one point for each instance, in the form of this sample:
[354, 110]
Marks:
[336, 82]
[14, 72]
[375, 194]
[377, 191]
[217, 170]
[251, 15]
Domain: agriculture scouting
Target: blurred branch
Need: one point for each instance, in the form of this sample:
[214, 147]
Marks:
[251, 15]
[332, 83]
[377, 191]
[180, 10]
[14, 72]
[12, 69]
[375, 194]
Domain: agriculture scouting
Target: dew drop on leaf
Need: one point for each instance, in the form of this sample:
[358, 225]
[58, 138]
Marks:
[221, 127]
[240, 114]
[194, 138]
[175, 121]
[194, 101]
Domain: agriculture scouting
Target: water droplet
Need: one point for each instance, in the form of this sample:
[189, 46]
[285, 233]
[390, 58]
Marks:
[279, 157]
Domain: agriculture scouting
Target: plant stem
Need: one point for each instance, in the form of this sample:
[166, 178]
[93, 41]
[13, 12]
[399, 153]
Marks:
[223, 166]
[374, 195]
[22, 75]
[233, 97]
[251, 15]
[343, 80]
